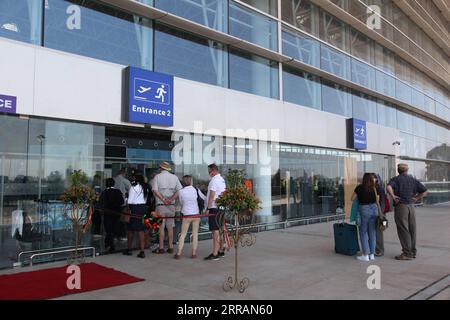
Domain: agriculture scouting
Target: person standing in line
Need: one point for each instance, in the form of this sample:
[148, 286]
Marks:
[136, 201]
[111, 200]
[405, 190]
[124, 185]
[379, 250]
[215, 187]
[189, 207]
[368, 211]
[165, 188]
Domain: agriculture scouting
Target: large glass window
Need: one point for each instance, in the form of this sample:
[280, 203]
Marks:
[361, 46]
[210, 13]
[334, 62]
[417, 99]
[333, 31]
[267, 6]
[363, 74]
[405, 122]
[429, 105]
[21, 20]
[336, 99]
[403, 91]
[301, 47]
[364, 107]
[385, 83]
[253, 74]
[188, 56]
[253, 27]
[420, 127]
[387, 114]
[91, 29]
[36, 161]
[301, 14]
[301, 88]
[384, 59]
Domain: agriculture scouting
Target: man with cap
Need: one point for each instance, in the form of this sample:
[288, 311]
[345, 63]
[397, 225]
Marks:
[405, 190]
[165, 188]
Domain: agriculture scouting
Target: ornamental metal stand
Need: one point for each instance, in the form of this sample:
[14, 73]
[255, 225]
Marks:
[243, 236]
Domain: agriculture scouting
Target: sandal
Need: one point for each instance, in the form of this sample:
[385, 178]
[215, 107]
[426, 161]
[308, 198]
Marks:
[157, 250]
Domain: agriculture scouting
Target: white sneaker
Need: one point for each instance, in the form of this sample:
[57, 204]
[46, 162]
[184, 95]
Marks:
[371, 257]
[363, 258]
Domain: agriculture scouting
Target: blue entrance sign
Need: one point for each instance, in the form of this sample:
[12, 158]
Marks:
[357, 130]
[150, 97]
[8, 103]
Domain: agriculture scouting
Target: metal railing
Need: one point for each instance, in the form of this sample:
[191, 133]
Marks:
[61, 251]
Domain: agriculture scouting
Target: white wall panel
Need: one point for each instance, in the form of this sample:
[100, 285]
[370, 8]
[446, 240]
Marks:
[66, 86]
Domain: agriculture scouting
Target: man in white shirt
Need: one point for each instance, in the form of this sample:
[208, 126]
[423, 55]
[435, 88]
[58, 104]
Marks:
[165, 187]
[215, 187]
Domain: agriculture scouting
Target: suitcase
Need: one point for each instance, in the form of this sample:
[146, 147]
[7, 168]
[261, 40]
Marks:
[346, 239]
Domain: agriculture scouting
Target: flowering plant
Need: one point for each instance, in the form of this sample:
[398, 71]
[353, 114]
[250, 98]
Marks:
[78, 193]
[237, 197]
[152, 220]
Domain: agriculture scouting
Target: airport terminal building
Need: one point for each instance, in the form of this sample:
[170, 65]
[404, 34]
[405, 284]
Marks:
[304, 95]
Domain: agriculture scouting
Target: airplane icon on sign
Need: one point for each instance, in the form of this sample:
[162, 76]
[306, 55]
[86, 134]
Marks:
[143, 89]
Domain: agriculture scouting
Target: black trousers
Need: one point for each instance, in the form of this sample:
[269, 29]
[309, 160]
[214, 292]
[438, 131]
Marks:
[112, 228]
[96, 222]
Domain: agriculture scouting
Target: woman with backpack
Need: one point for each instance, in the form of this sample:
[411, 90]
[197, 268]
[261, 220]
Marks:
[191, 199]
[368, 210]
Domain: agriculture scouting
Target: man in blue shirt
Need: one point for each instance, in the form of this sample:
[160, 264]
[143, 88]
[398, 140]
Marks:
[405, 190]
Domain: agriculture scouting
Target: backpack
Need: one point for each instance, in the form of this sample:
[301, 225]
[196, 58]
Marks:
[200, 202]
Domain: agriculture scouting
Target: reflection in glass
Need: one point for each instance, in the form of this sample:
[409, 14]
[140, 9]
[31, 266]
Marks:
[385, 84]
[387, 115]
[363, 74]
[301, 88]
[21, 20]
[253, 27]
[334, 62]
[333, 31]
[210, 13]
[336, 99]
[253, 74]
[267, 6]
[301, 14]
[301, 47]
[188, 56]
[364, 107]
[98, 31]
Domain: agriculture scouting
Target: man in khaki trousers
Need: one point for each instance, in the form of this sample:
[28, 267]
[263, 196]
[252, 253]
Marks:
[405, 190]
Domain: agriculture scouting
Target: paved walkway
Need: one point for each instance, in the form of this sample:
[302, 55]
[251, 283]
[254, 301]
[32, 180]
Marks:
[293, 263]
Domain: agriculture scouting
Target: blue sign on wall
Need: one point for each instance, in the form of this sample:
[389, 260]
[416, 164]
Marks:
[357, 134]
[150, 97]
[8, 103]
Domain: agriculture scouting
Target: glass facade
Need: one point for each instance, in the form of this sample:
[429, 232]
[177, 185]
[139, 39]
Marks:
[21, 20]
[295, 181]
[188, 56]
[94, 30]
[336, 99]
[301, 88]
[253, 74]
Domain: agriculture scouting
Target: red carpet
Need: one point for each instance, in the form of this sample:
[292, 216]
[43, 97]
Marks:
[52, 283]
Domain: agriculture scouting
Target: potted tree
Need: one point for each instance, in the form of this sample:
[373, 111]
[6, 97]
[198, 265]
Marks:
[78, 199]
[239, 205]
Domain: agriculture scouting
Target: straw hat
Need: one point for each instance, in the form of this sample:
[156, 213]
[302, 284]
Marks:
[166, 166]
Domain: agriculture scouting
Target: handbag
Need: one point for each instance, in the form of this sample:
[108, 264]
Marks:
[200, 202]
[382, 222]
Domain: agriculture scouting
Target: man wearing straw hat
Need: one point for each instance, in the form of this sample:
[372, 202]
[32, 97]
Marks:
[165, 188]
[405, 190]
